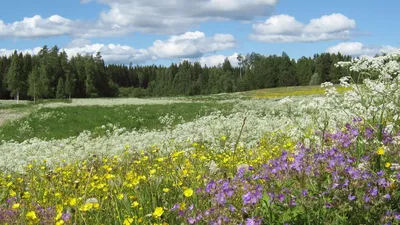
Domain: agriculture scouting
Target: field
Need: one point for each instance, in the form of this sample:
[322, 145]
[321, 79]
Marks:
[301, 155]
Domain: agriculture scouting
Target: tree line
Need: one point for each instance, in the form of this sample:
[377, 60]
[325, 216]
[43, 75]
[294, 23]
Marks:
[52, 74]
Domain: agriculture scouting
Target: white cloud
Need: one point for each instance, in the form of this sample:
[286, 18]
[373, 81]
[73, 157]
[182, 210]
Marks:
[285, 28]
[188, 45]
[55, 25]
[174, 16]
[149, 16]
[191, 45]
[36, 26]
[215, 60]
[111, 53]
[359, 49]
[120, 54]
[8, 52]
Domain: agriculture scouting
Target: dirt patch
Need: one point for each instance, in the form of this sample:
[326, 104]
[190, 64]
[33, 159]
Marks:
[6, 115]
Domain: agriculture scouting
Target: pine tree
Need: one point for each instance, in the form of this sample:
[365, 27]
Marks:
[14, 79]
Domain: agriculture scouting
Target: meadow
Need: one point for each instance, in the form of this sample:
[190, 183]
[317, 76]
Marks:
[305, 155]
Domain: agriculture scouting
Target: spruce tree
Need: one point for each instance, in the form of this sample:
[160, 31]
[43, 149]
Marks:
[14, 79]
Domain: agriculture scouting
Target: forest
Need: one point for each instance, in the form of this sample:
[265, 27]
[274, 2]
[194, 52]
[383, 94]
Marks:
[52, 74]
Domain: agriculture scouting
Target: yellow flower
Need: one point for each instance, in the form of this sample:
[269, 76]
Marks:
[96, 205]
[26, 195]
[120, 196]
[72, 202]
[31, 216]
[16, 206]
[128, 221]
[158, 212]
[13, 193]
[86, 207]
[188, 192]
[60, 222]
[380, 151]
[182, 206]
[153, 171]
[223, 138]
[135, 204]
[387, 165]
[166, 190]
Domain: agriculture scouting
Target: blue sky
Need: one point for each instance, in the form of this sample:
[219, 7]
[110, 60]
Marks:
[147, 31]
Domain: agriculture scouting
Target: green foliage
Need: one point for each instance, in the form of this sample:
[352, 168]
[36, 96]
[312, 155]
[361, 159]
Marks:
[14, 79]
[60, 89]
[316, 79]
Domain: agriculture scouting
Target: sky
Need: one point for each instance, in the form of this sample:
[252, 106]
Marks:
[161, 32]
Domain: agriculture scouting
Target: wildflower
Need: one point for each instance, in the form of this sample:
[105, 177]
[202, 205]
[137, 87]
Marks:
[165, 190]
[72, 202]
[158, 212]
[387, 196]
[253, 221]
[86, 207]
[128, 221]
[380, 151]
[351, 197]
[153, 171]
[188, 192]
[15, 206]
[120, 196]
[387, 165]
[31, 216]
[13, 193]
[135, 204]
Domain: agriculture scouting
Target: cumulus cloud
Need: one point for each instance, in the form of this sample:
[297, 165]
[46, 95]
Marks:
[191, 44]
[38, 27]
[111, 53]
[174, 16]
[188, 45]
[216, 60]
[124, 17]
[285, 28]
[359, 49]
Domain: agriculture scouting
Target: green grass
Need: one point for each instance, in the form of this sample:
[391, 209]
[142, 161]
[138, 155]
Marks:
[282, 92]
[63, 122]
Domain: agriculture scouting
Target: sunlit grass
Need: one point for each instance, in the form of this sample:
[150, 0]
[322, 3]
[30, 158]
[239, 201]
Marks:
[282, 92]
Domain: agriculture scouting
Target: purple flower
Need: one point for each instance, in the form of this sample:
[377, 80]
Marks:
[253, 221]
[328, 205]
[382, 182]
[387, 196]
[176, 206]
[281, 197]
[191, 220]
[366, 198]
[374, 191]
[66, 216]
[221, 198]
[305, 192]
[351, 197]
